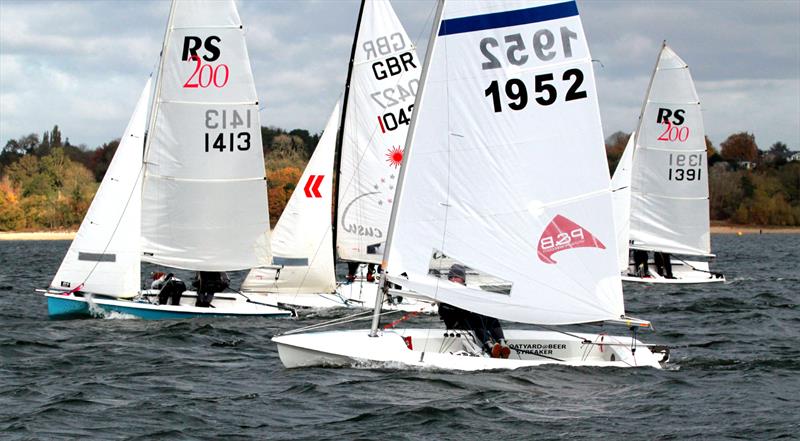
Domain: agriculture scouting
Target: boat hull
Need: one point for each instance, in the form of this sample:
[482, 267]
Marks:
[688, 272]
[438, 349]
[61, 306]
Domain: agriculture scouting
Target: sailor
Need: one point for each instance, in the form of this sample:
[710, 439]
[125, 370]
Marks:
[207, 283]
[170, 288]
[663, 263]
[640, 265]
[486, 329]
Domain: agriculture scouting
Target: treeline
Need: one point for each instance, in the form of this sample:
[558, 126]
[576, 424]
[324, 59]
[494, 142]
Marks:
[747, 185]
[48, 183]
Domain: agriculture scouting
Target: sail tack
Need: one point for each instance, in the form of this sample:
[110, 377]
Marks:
[104, 256]
[506, 169]
[384, 82]
[301, 240]
[669, 183]
[204, 204]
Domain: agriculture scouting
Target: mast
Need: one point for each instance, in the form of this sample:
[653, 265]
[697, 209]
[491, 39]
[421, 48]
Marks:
[403, 170]
[337, 159]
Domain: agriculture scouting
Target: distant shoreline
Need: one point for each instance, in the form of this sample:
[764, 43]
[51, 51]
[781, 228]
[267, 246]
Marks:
[751, 229]
[715, 229]
[37, 235]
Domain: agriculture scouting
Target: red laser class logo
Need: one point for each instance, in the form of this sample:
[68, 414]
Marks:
[312, 186]
[394, 156]
[562, 234]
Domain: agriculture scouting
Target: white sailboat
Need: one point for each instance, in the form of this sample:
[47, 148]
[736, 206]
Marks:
[382, 81]
[507, 87]
[193, 196]
[661, 183]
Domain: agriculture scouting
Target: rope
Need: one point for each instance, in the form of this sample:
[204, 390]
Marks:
[698, 269]
[347, 319]
[401, 319]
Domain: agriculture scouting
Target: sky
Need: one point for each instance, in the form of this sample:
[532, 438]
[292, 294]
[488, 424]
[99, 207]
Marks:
[81, 64]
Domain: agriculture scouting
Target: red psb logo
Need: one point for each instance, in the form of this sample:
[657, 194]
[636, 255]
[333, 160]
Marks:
[562, 234]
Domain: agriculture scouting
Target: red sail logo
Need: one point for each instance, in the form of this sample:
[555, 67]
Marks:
[563, 234]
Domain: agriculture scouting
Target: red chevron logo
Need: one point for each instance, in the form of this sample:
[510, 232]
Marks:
[562, 234]
[312, 186]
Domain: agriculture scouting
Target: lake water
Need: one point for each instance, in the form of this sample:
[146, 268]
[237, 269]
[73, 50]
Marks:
[734, 373]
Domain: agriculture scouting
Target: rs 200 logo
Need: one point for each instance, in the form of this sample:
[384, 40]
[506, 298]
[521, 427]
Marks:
[206, 73]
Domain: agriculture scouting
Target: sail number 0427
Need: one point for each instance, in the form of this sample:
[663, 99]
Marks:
[516, 91]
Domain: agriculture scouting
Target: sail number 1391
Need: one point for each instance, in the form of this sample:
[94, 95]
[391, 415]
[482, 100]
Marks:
[685, 167]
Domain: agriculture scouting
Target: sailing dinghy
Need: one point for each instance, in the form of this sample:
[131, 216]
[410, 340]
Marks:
[661, 183]
[192, 197]
[507, 87]
[382, 81]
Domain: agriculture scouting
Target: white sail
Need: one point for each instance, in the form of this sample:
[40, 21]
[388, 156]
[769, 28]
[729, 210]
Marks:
[506, 169]
[621, 196]
[301, 240]
[669, 186]
[204, 197]
[104, 256]
[384, 82]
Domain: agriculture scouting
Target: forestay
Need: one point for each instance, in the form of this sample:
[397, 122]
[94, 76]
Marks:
[506, 169]
[621, 196]
[301, 240]
[204, 196]
[384, 82]
[669, 187]
[104, 256]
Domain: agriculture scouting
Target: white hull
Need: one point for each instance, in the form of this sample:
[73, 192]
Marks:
[690, 272]
[359, 294]
[437, 349]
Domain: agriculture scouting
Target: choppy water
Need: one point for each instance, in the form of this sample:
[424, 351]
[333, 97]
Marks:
[735, 371]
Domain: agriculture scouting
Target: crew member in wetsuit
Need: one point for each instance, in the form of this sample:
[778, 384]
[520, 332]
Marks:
[170, 288]
[207, 283]
[663, 263]
[486, 329]
[640, 266]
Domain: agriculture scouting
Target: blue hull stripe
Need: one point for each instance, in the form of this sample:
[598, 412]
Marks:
[507, 18]
[68, 308]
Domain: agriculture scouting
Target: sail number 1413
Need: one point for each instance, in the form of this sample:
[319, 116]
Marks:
[227, 140]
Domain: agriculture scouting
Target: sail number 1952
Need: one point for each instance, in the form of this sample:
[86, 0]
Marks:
[685, 167]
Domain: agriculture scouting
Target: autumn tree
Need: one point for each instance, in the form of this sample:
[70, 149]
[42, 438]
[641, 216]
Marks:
[615, 146]
[740, 147]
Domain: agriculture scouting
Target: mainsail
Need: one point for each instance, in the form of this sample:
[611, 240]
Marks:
[301, 240]
[621, 195]
[505, 168]
[377, 111]
[104, 256]
[669, 185]
[204, 204]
